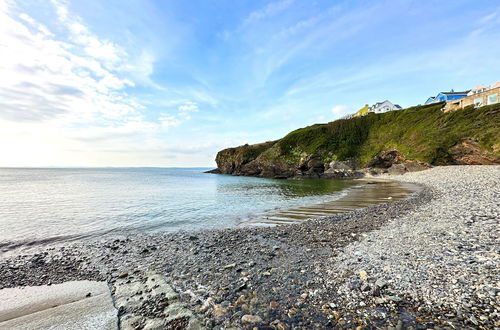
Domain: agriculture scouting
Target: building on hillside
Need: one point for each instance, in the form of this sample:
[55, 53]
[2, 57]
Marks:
[495, 85]
[430, 100]
[378, 107]
[384, 106]
[482, 96]
[447, 96]
[477, 89]
[361, 112]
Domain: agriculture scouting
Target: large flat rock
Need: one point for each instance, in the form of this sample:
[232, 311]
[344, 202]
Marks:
[70, 305]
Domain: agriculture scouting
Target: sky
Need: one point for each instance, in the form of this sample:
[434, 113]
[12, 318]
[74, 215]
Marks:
[169, 83]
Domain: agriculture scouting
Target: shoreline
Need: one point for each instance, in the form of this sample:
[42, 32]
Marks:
[363, 193]
[337, 271]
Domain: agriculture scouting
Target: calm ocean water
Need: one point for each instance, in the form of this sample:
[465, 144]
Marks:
[39, 205]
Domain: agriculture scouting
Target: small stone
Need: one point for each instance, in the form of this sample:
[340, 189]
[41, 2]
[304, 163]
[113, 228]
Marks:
[266, 273]
[363, 275]
[88, 294]
[354, 285]
[395, 299]
[380, 283]
[274, 304]
[375, 291]
[277, 325]
[123, 275]
[241, 300]
[304, 295]
[292, 312]
[251, 319]
[219, 311]
[365, 287]
[229, 266]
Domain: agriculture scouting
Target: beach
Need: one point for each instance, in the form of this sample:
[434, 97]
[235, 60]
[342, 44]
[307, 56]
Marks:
[428, 261]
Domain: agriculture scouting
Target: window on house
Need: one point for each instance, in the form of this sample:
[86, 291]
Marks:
[478, 101]
[492, 99]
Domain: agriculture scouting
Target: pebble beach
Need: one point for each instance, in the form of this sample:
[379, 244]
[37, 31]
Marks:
[428, 261]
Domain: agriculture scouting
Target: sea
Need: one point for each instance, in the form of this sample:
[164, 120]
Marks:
[45, 205]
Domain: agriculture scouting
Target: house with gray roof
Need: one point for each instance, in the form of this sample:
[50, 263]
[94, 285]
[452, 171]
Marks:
[384, 106]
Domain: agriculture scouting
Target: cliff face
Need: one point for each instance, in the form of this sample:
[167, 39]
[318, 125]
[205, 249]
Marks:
[233, 160]
[394, 142]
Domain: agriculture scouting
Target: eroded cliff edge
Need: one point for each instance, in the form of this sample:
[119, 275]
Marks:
[395, 142]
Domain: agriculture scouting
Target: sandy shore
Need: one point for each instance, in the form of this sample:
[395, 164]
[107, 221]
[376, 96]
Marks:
[424, 262]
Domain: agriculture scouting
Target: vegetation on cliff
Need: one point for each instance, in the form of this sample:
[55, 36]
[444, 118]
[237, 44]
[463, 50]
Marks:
[421, 133]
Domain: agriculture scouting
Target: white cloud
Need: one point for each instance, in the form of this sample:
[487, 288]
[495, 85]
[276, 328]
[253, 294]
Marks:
[168, 121]
[188, 107]
[183, 114]
[340, 109]
[64, 99]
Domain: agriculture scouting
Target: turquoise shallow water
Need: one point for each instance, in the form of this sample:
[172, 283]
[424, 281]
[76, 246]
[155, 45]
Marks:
[61, 204]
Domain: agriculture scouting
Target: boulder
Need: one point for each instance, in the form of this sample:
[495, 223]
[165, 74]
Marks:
[342, 165]
[386, 159]
[415, 166]
[397, 169]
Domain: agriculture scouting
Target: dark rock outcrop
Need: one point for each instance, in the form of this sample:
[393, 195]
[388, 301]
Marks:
[234, 160]
[469, 152]
[386, 158]
[394, 162]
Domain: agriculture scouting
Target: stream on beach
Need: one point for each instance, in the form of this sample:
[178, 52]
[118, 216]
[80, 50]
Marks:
[40, 206]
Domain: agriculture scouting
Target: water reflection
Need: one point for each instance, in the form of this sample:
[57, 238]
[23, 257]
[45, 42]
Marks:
[362, 195]
[285, 188]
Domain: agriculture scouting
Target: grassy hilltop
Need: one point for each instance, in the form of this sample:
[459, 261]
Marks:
[421, 133]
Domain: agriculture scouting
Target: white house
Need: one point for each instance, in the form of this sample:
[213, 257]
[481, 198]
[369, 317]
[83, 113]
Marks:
[477, 89]
[384, 106]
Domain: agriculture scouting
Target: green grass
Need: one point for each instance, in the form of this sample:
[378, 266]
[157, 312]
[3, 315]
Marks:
[421, 133]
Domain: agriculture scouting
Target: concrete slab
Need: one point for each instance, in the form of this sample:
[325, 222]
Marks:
[61, 306]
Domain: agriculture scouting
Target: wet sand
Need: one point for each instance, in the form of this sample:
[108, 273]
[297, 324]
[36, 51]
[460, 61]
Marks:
[368, 192]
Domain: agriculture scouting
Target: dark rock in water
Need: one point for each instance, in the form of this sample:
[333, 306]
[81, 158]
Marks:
[214, 171]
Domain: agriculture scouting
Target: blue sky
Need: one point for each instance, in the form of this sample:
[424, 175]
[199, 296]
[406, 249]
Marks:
[169, 83]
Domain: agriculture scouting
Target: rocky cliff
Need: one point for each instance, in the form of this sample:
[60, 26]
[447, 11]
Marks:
[394, 142]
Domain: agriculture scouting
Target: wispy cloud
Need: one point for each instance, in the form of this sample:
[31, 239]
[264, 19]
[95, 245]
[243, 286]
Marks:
[270, 10]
